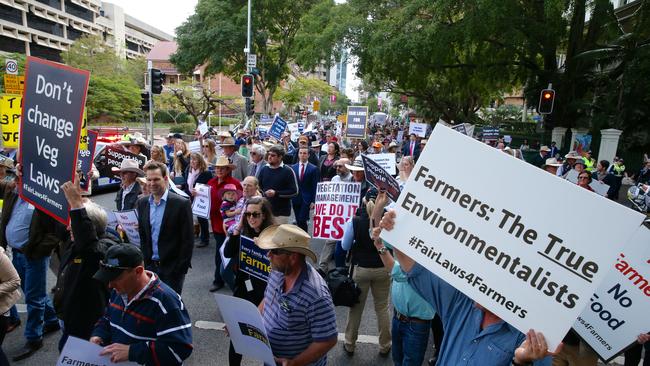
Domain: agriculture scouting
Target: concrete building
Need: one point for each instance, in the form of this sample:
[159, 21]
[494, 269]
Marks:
[343, 76]
[44, 28]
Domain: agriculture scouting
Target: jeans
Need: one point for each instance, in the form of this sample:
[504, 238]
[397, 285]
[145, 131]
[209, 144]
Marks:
[339, 255]
[409, 342]
[39, 306]
[205, 230]
[219, 238]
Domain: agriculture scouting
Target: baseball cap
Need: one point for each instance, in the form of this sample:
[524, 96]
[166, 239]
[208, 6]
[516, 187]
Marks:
[118, 258]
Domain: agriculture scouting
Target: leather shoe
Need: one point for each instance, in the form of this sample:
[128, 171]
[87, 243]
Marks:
[216, 287]
[28, 349]
[51, 328]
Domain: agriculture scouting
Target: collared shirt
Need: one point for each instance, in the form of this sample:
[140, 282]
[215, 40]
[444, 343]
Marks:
[156, 212]
[465, 343]
[405, 299]
[338, 178]
[127, 190]
[296, 319]
[17, 231]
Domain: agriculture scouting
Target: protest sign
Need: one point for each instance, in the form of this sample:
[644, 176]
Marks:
[617, 312]
[128, 220]
[194, 146]
[81, 352]
[245, 328]
[172, 186]
[278, 126]
[203, 128]
[419, 129]
[253, 260]
[114, 155]
[265, 119]
[85, 160]
[14, 84]
[111, 219]
[201, 204]
[380, 178]
[357, 119]
[10, 110]
[224, 260]
[400, 136]
[492, 239]
[83, 137]
[53, 105]
[335, 203]
[386, 161]
[490, 133]
[460, 128]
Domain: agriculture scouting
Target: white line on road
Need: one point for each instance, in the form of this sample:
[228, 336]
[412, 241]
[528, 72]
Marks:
[202, 324]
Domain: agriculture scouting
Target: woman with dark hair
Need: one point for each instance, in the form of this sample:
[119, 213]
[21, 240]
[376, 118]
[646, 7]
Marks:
[257, 217]
[197, 172]
[326, 162]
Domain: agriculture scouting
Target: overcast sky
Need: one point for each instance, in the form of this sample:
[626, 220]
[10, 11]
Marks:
[165, 15]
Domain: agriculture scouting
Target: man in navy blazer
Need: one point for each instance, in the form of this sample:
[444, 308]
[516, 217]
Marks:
[308, 177]
[411, 147]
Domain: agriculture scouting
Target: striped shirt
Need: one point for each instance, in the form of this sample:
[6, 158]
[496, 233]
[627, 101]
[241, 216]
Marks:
[296, 319]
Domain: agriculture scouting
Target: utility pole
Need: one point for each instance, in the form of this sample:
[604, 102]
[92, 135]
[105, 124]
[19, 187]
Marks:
[149, 67]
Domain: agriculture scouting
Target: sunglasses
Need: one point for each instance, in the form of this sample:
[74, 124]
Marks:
[206, 145]
[253, 214]
[279, 251]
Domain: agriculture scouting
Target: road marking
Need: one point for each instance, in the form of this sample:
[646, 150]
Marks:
[202, 324]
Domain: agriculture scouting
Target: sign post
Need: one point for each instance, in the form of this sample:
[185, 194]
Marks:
[53, 105]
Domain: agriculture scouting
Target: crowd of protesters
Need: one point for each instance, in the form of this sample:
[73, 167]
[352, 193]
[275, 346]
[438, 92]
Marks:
[127, 297]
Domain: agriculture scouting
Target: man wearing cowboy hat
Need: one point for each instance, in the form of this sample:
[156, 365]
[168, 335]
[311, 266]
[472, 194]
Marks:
[540, 158]
[241, 163]
[297, 310]
[129, 189]
[137, 145]
[569, 161]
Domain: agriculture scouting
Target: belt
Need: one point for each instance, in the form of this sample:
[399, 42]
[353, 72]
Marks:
[406, 319]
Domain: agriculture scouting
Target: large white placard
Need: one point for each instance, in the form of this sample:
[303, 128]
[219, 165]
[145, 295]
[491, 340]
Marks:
[201, 204]
[386, 161]
[420, 129]
[618, 311]
[489, 234]
[80, 352]
[336, 202]
[128, 220]
[245, 328]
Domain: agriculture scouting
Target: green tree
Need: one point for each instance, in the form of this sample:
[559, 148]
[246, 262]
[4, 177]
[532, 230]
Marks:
[215, 36]
[302, 91]
[113, 98]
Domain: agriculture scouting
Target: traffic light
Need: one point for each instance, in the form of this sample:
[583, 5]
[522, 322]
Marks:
[144, 102]
[247, 86]
[546, 101]
[157, 81]
[250, 107]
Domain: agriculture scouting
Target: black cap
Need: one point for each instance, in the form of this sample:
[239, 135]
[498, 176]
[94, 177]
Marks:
[118, 258]
[178, 136]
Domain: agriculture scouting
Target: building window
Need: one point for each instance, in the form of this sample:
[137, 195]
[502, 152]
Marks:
[11, 14]
[45, 52]
[11, 45]
[132, 46]
[79, 11]
[56, 4]
[74, 34]
[44, 25]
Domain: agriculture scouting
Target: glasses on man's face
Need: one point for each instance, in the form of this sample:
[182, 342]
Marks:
[253, 214]
[279, 251]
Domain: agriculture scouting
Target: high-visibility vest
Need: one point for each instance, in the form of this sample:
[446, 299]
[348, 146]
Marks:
[618, 170]
[589, 164]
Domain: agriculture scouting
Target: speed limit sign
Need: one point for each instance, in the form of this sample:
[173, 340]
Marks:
[11, 67]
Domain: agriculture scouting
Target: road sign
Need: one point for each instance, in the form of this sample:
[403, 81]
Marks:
[316, 106]
[11, 66]
[14, 84]
[252, 60]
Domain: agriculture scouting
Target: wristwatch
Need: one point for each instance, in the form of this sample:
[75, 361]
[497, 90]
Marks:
[382, 250]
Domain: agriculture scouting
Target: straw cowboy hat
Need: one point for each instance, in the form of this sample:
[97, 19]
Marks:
[544, 148]
[6, 162]
[287, 237]
[572, 155]
[129, 165]
[228, 141]
[315, 143]
[356, 166]
[552, 162]
[223, 161]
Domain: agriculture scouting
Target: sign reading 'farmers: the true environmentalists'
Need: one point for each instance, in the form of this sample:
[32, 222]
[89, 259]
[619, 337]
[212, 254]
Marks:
[53, 105]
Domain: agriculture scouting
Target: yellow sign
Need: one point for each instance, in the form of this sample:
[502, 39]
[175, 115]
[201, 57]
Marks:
[83, 137]
[14, 84]
[316, 106]
[342, 118]
[10, 110]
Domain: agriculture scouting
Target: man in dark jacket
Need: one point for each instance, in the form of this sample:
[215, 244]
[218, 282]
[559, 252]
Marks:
[79, 299]
[129, 189]
[278, 183]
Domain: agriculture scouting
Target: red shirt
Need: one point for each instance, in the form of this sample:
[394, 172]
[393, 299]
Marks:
[215, 201]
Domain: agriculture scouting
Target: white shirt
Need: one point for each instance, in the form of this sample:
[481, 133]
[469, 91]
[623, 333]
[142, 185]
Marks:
[126, 191]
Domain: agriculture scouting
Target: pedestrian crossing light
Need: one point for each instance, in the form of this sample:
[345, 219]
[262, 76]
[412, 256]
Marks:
[250, 107]
[157, 81]
[144, 106]
[247, 86]
[546, 101]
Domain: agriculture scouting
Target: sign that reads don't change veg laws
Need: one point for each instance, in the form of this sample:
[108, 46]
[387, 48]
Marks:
[618, 311]
[53, 105]
[336, 202]
[492, 240]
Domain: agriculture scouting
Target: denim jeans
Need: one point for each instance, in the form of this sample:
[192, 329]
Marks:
[218, 238]
[409, 342]
[39, 306]
[339, 255]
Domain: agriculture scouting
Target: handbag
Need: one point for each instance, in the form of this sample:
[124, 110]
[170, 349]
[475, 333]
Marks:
[344, 291]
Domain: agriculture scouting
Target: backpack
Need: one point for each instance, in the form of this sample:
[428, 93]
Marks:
[343, 289]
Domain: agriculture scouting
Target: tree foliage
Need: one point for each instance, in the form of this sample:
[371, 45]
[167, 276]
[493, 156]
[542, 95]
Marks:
[215, 36]
[303, 91]
[198, 101]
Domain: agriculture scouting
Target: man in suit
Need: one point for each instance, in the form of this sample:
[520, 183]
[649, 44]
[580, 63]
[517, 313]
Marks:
[166, 229]
[308, 177]
[412, 148]
[258, 156]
